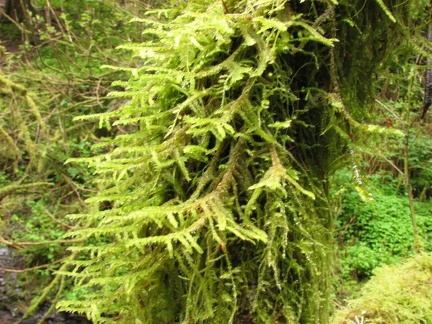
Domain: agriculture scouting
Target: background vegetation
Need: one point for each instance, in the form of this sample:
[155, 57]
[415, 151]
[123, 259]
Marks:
[51, 72]
[52, 57]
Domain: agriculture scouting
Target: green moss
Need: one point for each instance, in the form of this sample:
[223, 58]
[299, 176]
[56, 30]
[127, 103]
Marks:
[395, 294]
[218, 188]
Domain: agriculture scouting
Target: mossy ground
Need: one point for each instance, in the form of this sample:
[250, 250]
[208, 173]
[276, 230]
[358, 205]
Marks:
[395, 294]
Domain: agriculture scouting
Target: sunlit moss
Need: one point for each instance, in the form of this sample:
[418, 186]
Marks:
[399, 293]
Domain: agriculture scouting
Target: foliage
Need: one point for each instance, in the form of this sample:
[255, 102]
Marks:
[214, 163]
[420, 160]
[395, 294]
[237, 114]
[374, 233]
[386, 161]
[371, 234]
[43, 86]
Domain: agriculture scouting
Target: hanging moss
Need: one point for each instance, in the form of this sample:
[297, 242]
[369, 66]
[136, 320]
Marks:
[237, 115]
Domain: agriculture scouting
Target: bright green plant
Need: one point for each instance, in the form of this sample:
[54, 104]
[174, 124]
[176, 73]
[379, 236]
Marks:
[378, 232]
[236, 116]
[396, 294]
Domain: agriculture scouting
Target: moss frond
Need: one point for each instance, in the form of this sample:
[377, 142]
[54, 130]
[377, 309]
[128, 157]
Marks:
[218, 188]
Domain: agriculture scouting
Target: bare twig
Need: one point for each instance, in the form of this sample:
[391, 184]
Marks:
[30, 269]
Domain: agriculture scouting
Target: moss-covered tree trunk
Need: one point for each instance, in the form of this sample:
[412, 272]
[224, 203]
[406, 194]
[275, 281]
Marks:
[238, 113]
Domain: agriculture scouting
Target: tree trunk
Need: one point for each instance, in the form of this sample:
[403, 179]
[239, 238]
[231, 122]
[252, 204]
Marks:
[428, 83]
[18, 10]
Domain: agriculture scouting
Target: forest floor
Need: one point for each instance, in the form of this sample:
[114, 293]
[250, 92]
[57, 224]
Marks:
[10, 305]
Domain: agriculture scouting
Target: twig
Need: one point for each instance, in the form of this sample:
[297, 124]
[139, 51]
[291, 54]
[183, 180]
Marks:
[24, 244]
[386, 108]
[57, 280]
[30, 269]
[56, 220]
[392, 164]
[226, 11]
[73, 185]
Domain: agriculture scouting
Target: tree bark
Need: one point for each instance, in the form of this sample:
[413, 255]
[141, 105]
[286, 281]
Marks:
[17, 10]
[428, 82]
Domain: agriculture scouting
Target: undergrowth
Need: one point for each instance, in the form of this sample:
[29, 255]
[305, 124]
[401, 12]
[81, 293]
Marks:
[380, 231]
[51, 74]
[398, 293]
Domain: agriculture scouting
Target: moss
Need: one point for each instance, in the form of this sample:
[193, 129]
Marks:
[396, 294]
[219, 186]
